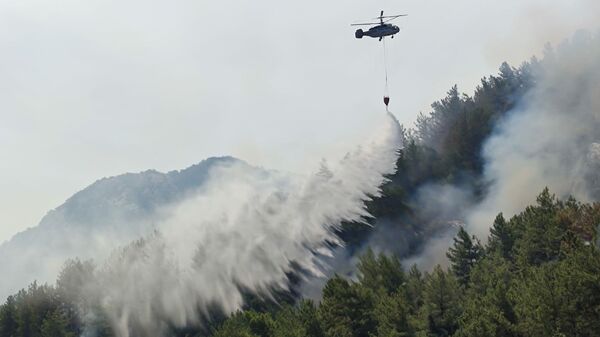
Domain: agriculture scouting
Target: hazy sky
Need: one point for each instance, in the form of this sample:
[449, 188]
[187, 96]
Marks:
[97, 88]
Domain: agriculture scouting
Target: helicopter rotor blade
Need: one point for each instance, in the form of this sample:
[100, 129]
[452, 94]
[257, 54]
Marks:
[365, 24]
[391, 16]
[395, 17]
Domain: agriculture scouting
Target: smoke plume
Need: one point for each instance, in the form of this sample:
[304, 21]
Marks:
[550, 139]
[242, 231]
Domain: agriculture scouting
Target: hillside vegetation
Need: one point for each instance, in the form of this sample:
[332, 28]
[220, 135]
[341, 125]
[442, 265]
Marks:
[536, 276]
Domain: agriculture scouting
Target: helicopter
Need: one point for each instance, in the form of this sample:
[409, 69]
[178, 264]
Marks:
[382, 29]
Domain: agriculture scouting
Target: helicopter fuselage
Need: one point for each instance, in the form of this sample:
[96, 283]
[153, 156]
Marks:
[379, 31]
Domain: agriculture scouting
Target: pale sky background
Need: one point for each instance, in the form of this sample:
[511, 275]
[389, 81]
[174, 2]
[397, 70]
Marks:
[97, 88]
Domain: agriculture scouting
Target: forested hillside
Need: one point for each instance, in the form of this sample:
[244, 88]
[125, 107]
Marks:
[538, 273]
[445, 147]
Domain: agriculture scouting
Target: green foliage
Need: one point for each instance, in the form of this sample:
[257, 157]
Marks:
[289, 323]
[55, 325]
[392, 313]
[33, 306]
[346, 309]
[464, 254]
[43, 310]
[414, 289]
[561, 298]
[8, 318]
[441, 304]
[380, 273]
[541, 230]
[487, 309]
[501, 240]
[236, 326]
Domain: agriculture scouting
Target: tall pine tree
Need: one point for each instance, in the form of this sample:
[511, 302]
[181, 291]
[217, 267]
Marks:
[501, 238]
[463, 255]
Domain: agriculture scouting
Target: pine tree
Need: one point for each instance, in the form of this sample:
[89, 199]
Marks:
[380, 273]
[335, 312]
[464, 254]
[55, 325]
[235, 326]
[542, 230]
[441, 304]
[487, 308]
[346, 309]
[393, 316]
[8, 318]
[307, 313]
[288, 323]
[414, 288]
[560, 298]
[501, 238]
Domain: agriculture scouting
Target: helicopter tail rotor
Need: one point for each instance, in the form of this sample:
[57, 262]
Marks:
[359, 33]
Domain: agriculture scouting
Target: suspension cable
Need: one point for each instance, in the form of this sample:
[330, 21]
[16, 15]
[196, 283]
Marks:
[386, 96]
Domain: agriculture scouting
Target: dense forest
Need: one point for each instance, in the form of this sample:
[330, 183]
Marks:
[538, 274]
[445, 147]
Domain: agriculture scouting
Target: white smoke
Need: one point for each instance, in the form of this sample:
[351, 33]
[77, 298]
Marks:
[550, 139]
[241, 231]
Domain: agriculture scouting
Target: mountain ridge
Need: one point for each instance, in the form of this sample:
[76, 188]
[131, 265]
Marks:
[122, 207]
